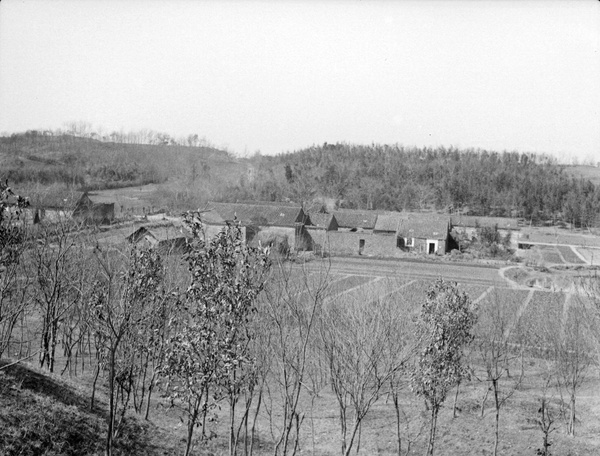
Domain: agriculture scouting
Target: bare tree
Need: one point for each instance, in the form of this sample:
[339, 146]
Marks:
[364, 347]
[122, 300]
[499, 354]
[56, 262]
[408, 428]
[291, 309]
[569, 351]
[13, 282]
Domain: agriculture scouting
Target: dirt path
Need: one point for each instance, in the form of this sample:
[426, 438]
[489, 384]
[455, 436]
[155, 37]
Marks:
[459, 272]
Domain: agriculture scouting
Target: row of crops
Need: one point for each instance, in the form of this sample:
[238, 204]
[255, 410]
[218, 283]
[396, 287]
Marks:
[538, 311]
[559, 254]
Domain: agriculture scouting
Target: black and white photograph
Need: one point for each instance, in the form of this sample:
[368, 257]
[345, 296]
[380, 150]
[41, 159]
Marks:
[304, 227]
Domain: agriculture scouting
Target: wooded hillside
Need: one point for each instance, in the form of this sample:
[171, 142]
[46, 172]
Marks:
[384, 177]
[48, 167]
[395, 178]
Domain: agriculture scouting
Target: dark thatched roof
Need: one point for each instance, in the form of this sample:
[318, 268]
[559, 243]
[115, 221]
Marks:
[255, 214]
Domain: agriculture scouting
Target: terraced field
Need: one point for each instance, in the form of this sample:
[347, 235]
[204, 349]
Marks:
[407, 283]
[559, 254]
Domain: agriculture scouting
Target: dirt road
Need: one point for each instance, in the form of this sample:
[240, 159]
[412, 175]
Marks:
[459, 272]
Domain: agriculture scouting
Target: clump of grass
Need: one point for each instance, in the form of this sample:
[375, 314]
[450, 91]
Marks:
[33, 424]
[37, 422]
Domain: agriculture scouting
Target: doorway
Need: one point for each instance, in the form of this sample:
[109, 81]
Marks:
[431, 248]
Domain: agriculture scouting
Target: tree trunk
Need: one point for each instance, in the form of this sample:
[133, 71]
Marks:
[398, 434]
[94, 387]
[497, 404]
[53, 341]
[232, 438]
[343, 429]
[111, 401]
[355, 430]
[434, 414]
[190, 433]
[571, 427]
[150, 388]
[455, 400]
[191, 423]
[484, 401]
[253, 431]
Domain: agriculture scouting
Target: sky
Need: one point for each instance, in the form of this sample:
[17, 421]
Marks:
[280, 76]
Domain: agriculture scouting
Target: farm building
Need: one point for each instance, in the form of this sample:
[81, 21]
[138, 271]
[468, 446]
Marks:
[352, 220]
[168, 239]
[94, 210]
[128, 202]
[268, 222]
[467, 226]
[322, 221]
[358, 234]
[389, 234]
[47, 214]
[361, 243]
[319, 225]
[388, 223]
[425, 233]
[53, 208]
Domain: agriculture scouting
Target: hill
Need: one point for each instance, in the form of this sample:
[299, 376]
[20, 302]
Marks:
[42, 413]
[393, 177]
[48, 167]
[382, 177]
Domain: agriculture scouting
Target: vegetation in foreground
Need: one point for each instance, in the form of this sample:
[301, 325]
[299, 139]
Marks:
[259, 358]
[43, 414]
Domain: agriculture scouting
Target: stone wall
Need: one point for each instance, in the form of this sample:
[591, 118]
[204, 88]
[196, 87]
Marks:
[277, 231]
[349, 243]
[471, 232]
[422, 246]
[210, 231]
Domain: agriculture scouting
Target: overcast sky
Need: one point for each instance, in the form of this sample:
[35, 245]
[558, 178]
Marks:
[278, 76]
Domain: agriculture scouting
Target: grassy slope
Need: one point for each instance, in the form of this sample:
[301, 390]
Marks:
[45, 414]
[41, 413]
[180, 174]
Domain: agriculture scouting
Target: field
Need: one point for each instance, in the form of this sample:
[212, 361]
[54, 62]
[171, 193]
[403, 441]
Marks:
[549, 235]
[469, 433]
[548, 254]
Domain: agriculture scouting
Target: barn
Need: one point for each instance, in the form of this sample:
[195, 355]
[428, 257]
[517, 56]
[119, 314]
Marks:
[424, 233]
[167, 239]
[274, 221]
[94, 210]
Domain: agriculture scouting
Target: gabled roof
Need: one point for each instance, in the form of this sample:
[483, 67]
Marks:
[139, 234]
[424, 226]
[88, 199]
[158, 233]
[58, 200]
[388, 222]
[97, 198]
[355, 219]
[504, 223]
[322, 220]
[256, 214]
[167, 233]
